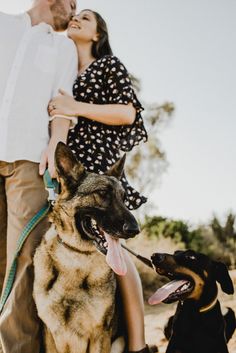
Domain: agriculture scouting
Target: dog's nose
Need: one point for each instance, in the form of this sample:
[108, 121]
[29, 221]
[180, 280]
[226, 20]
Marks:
[131, 229]
[158, 258]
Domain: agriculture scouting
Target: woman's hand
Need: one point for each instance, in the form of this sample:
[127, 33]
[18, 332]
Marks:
[64, 104]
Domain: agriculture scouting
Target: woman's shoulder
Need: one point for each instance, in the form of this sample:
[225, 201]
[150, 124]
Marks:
[110, 60]
[112, 64]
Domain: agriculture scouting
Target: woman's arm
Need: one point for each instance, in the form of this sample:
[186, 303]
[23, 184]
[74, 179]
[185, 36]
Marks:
[109, 114]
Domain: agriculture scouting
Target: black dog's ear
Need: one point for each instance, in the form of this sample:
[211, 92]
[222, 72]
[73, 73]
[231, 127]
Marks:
[221, 275]
[66, 164]
[178, 252]
[117, 169]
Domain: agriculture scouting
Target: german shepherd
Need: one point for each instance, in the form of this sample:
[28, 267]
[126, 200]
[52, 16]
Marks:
[198, 325]
[75, 284]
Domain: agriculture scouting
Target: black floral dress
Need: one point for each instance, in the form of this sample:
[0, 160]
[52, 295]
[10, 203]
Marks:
[96, 145]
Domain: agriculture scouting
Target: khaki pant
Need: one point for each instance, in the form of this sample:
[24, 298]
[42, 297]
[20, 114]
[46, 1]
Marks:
[22, 195]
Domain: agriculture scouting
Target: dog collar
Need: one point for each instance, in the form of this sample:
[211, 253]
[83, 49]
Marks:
[208, 307]
[72, 248]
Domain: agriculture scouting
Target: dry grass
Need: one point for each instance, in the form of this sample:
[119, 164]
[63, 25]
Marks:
[157, 316]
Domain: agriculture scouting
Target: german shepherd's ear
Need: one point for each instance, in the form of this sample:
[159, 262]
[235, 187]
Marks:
[221, 275]
[117, 169]
[66, 164]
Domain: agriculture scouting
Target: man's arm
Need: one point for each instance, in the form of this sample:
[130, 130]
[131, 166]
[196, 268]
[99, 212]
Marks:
[67, 68]
[59, 131]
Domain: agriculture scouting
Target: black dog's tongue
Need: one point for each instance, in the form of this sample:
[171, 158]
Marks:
[164, 292]
[115, 257]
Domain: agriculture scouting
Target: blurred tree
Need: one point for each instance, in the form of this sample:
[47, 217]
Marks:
[147, 162]
[226, 235]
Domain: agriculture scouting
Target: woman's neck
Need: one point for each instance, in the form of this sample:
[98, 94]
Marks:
[84, 55]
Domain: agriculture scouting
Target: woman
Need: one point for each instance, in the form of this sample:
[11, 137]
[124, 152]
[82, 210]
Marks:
[108, 120]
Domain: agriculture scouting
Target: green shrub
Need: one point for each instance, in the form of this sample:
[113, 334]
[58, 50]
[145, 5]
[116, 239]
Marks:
[214, 240]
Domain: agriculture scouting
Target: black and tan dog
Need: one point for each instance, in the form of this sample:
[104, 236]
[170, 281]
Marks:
[74, 286]
[198, 325]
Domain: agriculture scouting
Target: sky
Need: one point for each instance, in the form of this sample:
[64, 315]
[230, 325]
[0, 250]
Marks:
[184, 52]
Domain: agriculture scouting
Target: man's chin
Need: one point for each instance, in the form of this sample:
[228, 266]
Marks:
[60, 23]
[60, 27]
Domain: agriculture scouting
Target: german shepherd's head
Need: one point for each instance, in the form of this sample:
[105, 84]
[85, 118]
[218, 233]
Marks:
[193, 276]
[90, 208]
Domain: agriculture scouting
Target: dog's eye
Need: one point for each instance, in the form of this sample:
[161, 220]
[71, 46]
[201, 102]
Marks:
[102, 193]
[191, 257]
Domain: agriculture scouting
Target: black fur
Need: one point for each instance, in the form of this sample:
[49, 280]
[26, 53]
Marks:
[190, 330]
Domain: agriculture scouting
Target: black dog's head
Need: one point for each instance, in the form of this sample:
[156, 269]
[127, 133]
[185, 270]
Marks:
[93, 204]
[193, 276]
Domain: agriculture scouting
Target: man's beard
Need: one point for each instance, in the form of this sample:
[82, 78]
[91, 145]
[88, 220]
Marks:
[60, 16]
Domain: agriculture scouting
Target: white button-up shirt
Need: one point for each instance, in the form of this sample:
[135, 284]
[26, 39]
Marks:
[34, 63]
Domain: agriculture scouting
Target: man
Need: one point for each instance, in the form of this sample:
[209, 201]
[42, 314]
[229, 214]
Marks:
[35, 62]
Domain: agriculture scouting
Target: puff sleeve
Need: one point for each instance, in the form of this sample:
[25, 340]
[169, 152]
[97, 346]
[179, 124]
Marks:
[119, 90]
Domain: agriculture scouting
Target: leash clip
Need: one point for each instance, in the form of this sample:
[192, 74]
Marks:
[52, 195]
[51, 185]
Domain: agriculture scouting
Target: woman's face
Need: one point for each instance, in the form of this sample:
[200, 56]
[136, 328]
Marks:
[83, 27]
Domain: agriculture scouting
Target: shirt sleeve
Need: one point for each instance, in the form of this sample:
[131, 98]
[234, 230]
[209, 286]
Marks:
[119, 90]
[73, 119]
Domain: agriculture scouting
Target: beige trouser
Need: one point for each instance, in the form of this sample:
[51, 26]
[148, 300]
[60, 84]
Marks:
[22, 195]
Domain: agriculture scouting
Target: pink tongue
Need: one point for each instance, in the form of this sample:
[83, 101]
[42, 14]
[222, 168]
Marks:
[115, 258]
[164, 292]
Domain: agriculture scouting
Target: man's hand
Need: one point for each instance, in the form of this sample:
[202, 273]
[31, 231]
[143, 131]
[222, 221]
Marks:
[47, 159]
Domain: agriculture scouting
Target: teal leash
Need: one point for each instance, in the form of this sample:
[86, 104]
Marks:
[51, 186]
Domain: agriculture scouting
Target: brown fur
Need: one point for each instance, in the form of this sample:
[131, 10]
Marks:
[74, 288]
